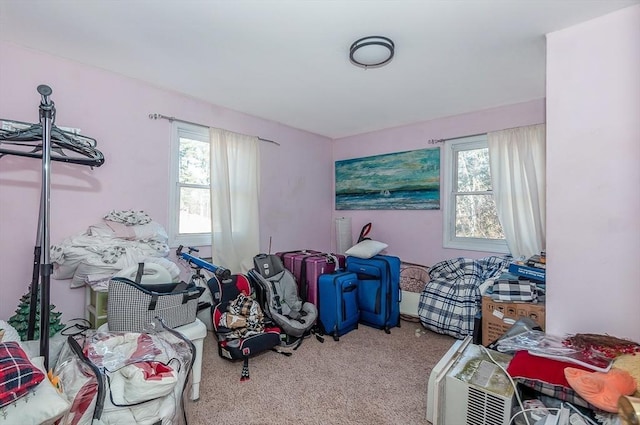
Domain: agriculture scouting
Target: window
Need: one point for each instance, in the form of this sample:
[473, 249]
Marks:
[190, 204]
[470, 218]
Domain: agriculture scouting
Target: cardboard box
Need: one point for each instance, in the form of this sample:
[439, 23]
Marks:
[499, 316]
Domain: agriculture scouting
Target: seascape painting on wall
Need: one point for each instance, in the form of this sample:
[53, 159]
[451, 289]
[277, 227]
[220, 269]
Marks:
[396, 181]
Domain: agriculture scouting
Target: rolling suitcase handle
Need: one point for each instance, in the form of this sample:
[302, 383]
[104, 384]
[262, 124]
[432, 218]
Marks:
[364, 232]
[344, 304]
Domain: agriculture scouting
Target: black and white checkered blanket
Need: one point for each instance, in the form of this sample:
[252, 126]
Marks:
[451, 299]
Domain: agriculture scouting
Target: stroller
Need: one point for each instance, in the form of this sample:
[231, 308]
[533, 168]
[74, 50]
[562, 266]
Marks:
[277, 292]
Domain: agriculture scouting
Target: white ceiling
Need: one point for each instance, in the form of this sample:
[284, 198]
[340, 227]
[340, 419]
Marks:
[287, 60]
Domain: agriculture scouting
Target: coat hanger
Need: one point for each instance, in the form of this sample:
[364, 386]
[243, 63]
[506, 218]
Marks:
[25, 139]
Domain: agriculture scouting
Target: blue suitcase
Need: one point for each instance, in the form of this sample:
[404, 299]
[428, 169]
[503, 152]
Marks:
[338, 303]
[378, 290]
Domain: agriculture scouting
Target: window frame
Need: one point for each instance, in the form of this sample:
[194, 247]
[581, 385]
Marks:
[449, 238]
[194, 132]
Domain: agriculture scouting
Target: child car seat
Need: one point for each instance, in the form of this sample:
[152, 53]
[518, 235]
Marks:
[280, 296]
[238, 321]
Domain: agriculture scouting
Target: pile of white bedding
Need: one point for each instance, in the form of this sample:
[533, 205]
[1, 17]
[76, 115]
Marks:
[122, 239]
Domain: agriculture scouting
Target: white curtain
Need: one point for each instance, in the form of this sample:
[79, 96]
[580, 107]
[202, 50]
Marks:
[234, 199]
[518, 175]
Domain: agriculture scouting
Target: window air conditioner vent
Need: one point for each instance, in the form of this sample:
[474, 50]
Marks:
[495, 408]
[484, 408]
[467, 388]
[473, 418]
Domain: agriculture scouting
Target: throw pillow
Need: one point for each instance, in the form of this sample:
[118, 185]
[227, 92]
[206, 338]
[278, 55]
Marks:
[601, 389]
[17, 374]
[630, 363]
[10, 333]
[43, 407]
[545, 376]
[366, 249]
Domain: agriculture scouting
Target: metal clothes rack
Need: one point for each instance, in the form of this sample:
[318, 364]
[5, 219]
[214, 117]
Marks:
[171, 119]
[35, 140]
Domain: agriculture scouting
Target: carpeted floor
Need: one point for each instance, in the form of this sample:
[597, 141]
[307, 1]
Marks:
[368, 377]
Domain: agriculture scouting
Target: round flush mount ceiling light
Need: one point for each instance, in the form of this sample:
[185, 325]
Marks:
[372, 52]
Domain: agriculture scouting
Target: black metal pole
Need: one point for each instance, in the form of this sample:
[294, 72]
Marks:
[47, 113]
[35, 279]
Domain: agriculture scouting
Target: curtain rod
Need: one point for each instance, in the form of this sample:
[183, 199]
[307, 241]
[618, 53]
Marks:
[171, 119]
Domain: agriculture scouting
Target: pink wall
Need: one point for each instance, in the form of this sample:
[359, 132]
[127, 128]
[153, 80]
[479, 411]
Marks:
[593, 176]
[593, 199]
[296, 195]
[416, 236]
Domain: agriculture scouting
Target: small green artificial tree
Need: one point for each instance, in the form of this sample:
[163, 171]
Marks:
[20, 320]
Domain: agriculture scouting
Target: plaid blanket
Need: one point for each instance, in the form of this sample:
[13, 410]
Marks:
[449, 303]
[243, 317]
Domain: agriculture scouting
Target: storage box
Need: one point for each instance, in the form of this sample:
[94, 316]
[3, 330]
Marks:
[99, 301]
[95, 321]
[499, 316]
[96, 309]
[533, 273]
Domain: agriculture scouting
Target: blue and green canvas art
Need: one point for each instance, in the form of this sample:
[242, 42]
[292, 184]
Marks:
[396, 181]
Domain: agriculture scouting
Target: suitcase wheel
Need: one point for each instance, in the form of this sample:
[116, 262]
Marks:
[387, 330]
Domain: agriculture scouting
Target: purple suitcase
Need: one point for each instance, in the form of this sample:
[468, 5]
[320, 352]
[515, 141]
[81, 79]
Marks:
[310, 267]
[319, 263]
[288, 258]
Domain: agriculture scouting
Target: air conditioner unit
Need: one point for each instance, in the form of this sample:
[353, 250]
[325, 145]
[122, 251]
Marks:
[467, 388]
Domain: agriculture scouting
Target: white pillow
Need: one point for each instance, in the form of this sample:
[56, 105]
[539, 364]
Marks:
[43, 405]
[10, 333]
[366, 249]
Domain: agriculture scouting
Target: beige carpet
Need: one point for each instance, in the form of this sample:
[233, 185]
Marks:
[368, 377]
